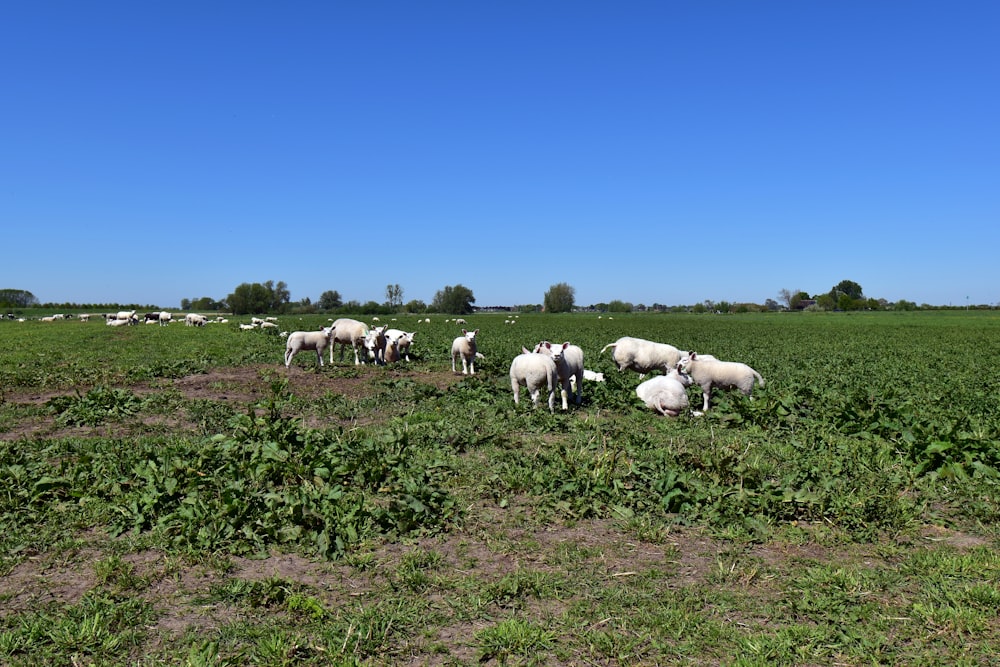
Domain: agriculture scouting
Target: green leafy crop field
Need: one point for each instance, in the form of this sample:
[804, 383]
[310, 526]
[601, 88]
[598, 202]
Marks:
[175, 495]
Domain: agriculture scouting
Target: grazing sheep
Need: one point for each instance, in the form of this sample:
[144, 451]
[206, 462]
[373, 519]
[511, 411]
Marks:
[165, 318]
[534, 370]
[569, 364]
[307, 340]
[643, 356]
[405, 339]
[712, 373]
[195, 320]
[349, 332]
[465, 347]
[667, 394]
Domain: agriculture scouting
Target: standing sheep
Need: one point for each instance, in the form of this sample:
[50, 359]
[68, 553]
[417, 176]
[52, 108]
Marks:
[349, 332]
[465, 347]
[375, 343]
[667, 394]
[404, 338]
[643, 356]
[569, 365]
[307, 340]
[712, 373]
[534, 371]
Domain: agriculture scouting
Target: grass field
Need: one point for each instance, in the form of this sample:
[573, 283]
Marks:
[175, 496]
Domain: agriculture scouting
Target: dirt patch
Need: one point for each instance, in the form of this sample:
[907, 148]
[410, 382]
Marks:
[236, 386]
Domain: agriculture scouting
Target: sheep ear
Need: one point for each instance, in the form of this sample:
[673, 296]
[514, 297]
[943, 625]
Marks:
[565, 345]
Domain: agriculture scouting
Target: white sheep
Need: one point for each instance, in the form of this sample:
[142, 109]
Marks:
[465, 347]
[164, 318]
[118, 323]
[643, 356]
[349, 332]
[375, 342]
[308, 340]
[569, 364]
[404, 338]
[534, 371]
[712, 373]
[667, 394]
[390, 354]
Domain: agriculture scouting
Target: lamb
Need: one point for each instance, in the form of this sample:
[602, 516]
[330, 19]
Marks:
[534, 371]
[712, 373]
[405, 339]
[375, 342]
[195, 320]
[667, 394]
[308, 340]
[390, 354]
[569, 364]
[465, 347]
[349, 332]
[643, 356]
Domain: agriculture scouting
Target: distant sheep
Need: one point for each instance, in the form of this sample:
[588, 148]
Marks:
[569, 365]
[307, 340]
[465, 347]
[534, 371]
[349, 332]
[164, 318]
[643, 356]
[195, 320]
[711, 374]
[667, 394]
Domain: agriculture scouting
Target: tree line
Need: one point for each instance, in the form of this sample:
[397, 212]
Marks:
[274, 297]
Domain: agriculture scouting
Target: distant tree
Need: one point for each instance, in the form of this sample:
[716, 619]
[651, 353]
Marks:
[279, 296]
[559, 298]
[394, 296]
[205, 303]
[17, 298]
[250, 299]
[619, 306]
[415, 306]
[826, 302]
[257, 298]
[789, 298]
[771, 304]
[185, 304]
[848, 287]
[329, 300]
[455, 300]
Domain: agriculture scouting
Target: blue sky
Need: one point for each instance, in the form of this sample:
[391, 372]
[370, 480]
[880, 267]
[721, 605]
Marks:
[654, 152]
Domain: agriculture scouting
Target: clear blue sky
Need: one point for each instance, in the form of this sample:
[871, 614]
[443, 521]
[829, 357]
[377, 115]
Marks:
[654, 152]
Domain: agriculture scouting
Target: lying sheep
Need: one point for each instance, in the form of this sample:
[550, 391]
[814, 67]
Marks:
[534, 370]
[667, 394]
[349, 332]
[712, 373]
[643, 356]
[465, 347]
[307, 340]
[405, 339]
[569, 365]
